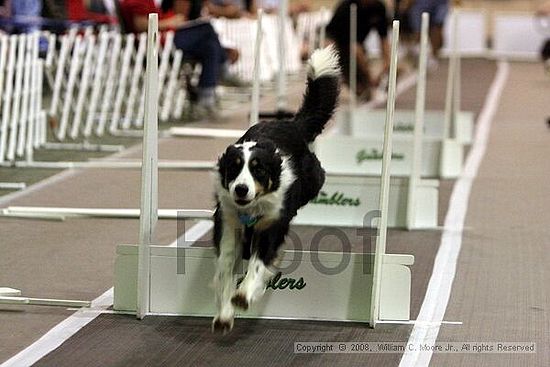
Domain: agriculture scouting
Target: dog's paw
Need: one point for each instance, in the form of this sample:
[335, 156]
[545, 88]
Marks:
[239, 301]
[220, 325]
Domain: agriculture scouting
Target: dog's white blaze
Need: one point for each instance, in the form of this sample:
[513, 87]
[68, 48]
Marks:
[254, 283]
[323, 62]
[245, 177]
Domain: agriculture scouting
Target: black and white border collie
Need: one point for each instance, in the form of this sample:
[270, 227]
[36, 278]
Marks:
[261, 182]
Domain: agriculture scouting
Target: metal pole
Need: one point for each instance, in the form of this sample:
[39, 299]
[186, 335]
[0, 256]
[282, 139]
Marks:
[385, 181]
[416, 168]
[149, 170]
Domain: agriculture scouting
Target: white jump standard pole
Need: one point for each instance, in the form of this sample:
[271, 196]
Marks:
[255, 107]
[149, 170]
[420, 107]
[353, 60]
[380, 251]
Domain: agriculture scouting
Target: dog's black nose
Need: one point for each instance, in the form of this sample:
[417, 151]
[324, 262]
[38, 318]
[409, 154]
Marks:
[241, 190]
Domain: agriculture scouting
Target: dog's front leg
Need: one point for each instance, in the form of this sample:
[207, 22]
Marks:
[224, 281]
[254, 283]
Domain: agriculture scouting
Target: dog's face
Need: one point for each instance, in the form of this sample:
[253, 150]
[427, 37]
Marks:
[249, 171]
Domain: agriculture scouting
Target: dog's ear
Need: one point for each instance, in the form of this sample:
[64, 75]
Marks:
[224, 164]
[222, 168]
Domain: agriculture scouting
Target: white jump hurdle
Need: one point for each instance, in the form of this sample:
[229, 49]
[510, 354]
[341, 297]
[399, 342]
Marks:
[446, 133]
[515, 36]
[354, 164]
[472, 27]
[149, 279]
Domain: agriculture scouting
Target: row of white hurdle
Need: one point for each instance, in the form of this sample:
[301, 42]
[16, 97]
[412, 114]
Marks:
[352, 161]
[408, 199]
[97, 86]
[373, 287]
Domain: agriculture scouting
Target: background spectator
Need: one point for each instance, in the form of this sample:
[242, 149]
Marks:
[438, 10]
[198, 41]
[232, 8]
[371, 14]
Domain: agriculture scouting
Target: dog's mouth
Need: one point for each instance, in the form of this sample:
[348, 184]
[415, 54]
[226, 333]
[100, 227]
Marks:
[242, 202]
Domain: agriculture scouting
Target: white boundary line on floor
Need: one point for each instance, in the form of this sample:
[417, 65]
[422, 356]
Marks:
[440, 285]
[60, 333]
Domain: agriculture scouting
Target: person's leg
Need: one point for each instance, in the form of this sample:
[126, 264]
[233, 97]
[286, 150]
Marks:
[363, 76]
[364, 79]
[438, 16]
[202, 43]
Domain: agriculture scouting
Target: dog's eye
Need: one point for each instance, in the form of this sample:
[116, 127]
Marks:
[260, 172]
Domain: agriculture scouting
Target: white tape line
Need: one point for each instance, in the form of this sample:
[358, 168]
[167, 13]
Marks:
[440, 285]
[61, 332]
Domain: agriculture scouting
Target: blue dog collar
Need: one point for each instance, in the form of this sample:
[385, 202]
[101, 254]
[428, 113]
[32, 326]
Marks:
[248, 220]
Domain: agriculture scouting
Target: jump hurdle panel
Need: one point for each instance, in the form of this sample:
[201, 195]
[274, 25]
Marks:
[369, 123]
[180, 285]
[472, 28]
[345, 199]
[516, 36]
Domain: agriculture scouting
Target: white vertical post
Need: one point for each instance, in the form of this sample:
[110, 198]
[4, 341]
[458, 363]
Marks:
[83, 88]
[456, 94]
[123, 78]
[66, 44]
[136, 76]
[49, 58]
[170, 94]
[6, 106]
[68, 100]
[165, 60]
[420, 107]
[32, 113]
[51, 50]
[449, 99]
[312, 32]
[109, 85]
[352, 60]
[380, 250]
[98, 82]
[22, 41]
[3, 56]
[255, 106]
[323, 33]
[25, 94]
[149, 169]
[42, 120]
[281, 77]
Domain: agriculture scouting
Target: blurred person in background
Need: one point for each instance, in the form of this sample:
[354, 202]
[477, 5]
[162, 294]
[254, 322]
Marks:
[197, 40]
[5, 13]
[232, 9]
[97, 11]
[30, 9]
[438, 10]
[294, 7]
[371, 15]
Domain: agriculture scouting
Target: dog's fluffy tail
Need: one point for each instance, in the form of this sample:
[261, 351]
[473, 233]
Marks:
[321, 95]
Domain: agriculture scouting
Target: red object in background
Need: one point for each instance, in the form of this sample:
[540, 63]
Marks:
[131, 8]
[76, 11]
